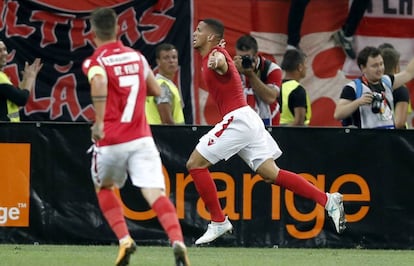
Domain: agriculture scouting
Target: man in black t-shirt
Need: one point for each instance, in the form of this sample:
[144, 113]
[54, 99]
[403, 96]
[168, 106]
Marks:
[401, 95]
[294, 103]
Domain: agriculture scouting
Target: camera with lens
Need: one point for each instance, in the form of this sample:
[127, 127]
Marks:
[376, 102]
[247, 61]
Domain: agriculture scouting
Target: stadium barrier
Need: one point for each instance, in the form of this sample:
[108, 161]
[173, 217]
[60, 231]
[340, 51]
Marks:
[47, 195]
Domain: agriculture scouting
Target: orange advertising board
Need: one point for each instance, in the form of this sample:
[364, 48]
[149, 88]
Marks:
[15, 188]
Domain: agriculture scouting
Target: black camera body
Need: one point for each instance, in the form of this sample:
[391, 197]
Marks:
[376, 102]
[247, 61]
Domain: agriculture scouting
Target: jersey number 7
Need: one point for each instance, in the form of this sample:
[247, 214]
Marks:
[131, 82]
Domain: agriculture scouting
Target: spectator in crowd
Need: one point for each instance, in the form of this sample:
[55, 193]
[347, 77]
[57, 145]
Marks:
[261, 79]
[344, 36]
[166, 108]
[367, 102]
[294, 102]
[240, 132]
[385, 45]
[11, 97]
[401, 95]
[120, 79]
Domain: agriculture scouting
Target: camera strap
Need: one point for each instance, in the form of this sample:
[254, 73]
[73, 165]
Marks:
[264, 68]
[358, 85]
[358, 88]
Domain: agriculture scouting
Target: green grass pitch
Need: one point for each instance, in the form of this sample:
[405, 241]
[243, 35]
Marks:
[70, 255]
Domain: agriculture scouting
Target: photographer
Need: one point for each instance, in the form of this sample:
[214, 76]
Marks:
[261, 79]
[367, 102]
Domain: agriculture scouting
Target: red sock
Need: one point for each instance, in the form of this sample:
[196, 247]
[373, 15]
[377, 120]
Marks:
[113, 213]
[167, 216]
[207, 190]
[300, 186]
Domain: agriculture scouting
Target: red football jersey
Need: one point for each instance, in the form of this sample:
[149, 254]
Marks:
[227, 89]
[126, 70]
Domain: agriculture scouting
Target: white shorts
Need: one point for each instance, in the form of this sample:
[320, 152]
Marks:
[240, 132]
[139, 158]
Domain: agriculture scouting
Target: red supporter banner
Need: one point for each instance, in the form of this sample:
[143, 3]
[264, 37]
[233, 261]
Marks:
[59, 33]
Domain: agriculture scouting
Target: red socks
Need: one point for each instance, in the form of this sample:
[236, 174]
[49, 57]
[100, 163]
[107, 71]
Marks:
[300, 186]
[167, 216]
[112, 211]
[207, 190]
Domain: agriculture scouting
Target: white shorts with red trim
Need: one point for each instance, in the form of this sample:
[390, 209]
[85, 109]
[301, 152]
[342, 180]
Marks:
[240, 132]
[139, 158]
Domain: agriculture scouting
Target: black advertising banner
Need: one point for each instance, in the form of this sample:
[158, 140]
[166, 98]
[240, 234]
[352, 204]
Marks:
[372, 168]
[59, 33]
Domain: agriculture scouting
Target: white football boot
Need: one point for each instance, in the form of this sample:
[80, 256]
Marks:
[214, 231]
[335, 208]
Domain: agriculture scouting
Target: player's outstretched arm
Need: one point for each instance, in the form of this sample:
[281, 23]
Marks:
[404, 76]
[217, 62]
